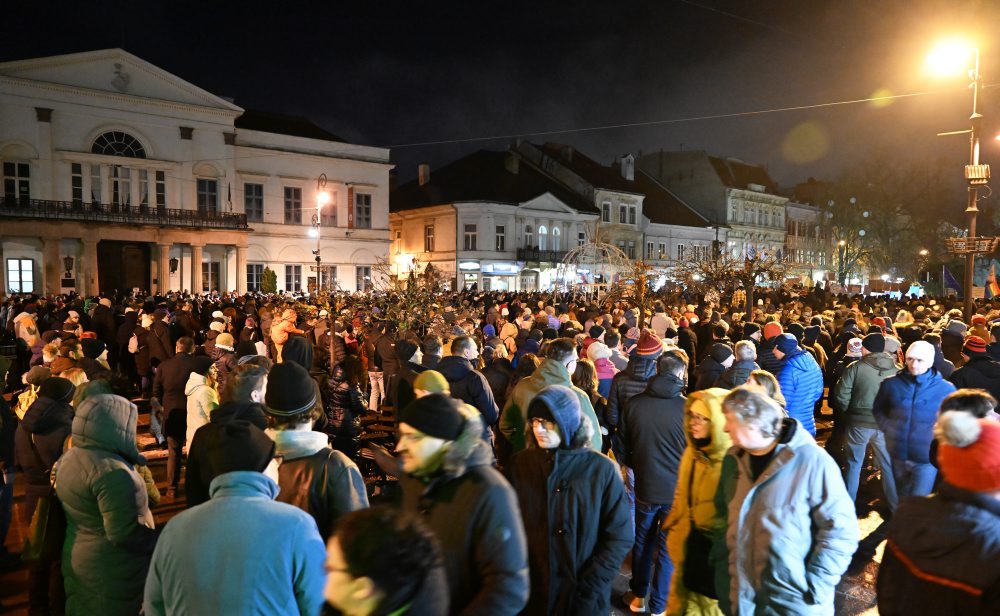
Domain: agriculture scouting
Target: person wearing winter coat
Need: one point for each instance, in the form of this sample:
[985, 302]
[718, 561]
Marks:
[320, 480]
[790, 525]
[571, 499]
[141, 356]
[110, 534]
[942, 551]
[39, 440]
[343, 414]
[718, 359]
[905, 409]
[282, 328]
[739, 372]
[801, 381]
[447, 478]
[555, 369]
[952, 339]
[202, 395]
[161, 347]
[241, 552]
[600, 354]
[651, 431]
[468, 384]
[980, 371]
[852, 400]
[694, 507]
[942, 365]
[225, 358]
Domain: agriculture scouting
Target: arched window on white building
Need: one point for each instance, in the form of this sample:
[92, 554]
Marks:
[555, 238]
[542, 237]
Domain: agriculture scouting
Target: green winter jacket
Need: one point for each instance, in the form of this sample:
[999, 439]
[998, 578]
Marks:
[514, 417]
[109, 535]
[855, 392]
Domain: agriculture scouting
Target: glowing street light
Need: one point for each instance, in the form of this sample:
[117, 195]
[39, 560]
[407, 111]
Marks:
[950, 56]
[322, 199]
[955, 56]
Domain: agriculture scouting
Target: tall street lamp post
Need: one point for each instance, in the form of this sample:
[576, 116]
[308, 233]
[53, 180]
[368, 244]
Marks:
[322, 198]
[950, 55]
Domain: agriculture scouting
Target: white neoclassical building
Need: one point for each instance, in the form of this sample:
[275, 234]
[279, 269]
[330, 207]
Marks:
[120, 175]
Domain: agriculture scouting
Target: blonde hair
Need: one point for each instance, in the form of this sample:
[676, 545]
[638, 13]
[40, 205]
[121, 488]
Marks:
[50, 351]
[75, 376]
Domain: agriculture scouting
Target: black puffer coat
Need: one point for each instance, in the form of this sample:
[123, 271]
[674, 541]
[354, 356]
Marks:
[48, 423]
[343, 414]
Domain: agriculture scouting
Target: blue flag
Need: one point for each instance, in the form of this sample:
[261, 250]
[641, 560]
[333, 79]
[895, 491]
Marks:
[949, 280]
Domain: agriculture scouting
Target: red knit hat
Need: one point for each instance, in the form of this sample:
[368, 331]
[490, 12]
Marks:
[974, 345]
[772, 329]
[649, 344]
[880, 322]
[969, 453]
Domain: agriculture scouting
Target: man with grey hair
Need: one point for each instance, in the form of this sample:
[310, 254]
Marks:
[790, 526]
[739, 372]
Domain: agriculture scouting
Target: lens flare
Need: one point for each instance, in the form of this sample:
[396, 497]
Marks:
[806, 143]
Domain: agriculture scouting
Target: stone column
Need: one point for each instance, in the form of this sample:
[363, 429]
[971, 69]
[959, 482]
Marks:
[196, 257]
[51, 265]
[164, 269]
[88, 268]
[241, 269]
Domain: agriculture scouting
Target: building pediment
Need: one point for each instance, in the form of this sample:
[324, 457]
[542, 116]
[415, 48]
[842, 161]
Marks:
[115, 71]
[547, 203]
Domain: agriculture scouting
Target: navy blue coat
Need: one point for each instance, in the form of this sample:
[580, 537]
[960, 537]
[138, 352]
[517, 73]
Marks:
[906, 408]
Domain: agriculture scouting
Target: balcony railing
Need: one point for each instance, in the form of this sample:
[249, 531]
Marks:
[115, 213]
[540, 256]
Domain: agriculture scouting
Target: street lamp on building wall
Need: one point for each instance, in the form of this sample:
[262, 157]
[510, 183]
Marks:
[322, 199]
[951, 57]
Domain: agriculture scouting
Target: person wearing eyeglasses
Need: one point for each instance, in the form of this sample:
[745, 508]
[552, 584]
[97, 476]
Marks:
[380, 562]
[578, 523]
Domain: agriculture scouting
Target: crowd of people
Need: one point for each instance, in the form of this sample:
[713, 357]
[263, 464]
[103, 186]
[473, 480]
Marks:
[537, 442]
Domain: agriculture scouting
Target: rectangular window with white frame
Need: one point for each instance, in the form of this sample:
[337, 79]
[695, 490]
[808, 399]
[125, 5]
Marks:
[76, 184]
[143, 190]
[428, 238]
[253, 201]
[293, 278]
[211, 276]
[255, 276]
[21, 275]
[501, 234]
[16, 182]
[471, 237]
[161, 190]
[606, 211]
[680, 252]
[293, 205]
[631, 214]
[581, 238]
[649, 250]
[362, 211]
[663, 251]
[622, 214]
[631, 249]
[398, 235]
[364, 278]
[95, 183]
[208, 196]
[328, 215]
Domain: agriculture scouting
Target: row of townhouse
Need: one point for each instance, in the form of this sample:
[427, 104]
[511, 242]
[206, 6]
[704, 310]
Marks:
[506, 220]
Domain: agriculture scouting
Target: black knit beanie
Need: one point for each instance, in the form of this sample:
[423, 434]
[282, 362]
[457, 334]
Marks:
[436, 415]
[57, 388]
[290, 390]
[236, 445]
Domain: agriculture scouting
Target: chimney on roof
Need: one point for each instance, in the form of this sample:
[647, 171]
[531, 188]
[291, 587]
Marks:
[512, 163]
[423, 173]
[627, 167]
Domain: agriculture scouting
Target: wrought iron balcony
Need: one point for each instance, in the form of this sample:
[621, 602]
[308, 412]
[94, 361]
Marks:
[540, 256]
[115, 213]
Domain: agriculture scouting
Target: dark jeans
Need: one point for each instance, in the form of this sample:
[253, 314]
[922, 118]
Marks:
[175, 451]
[46, 594]
[650, 563]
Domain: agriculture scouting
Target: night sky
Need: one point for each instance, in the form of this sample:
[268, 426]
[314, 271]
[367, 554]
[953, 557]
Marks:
[401, 73]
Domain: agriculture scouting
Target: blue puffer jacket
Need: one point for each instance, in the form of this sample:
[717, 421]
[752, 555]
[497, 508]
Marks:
[801, 383]
[906, 408]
